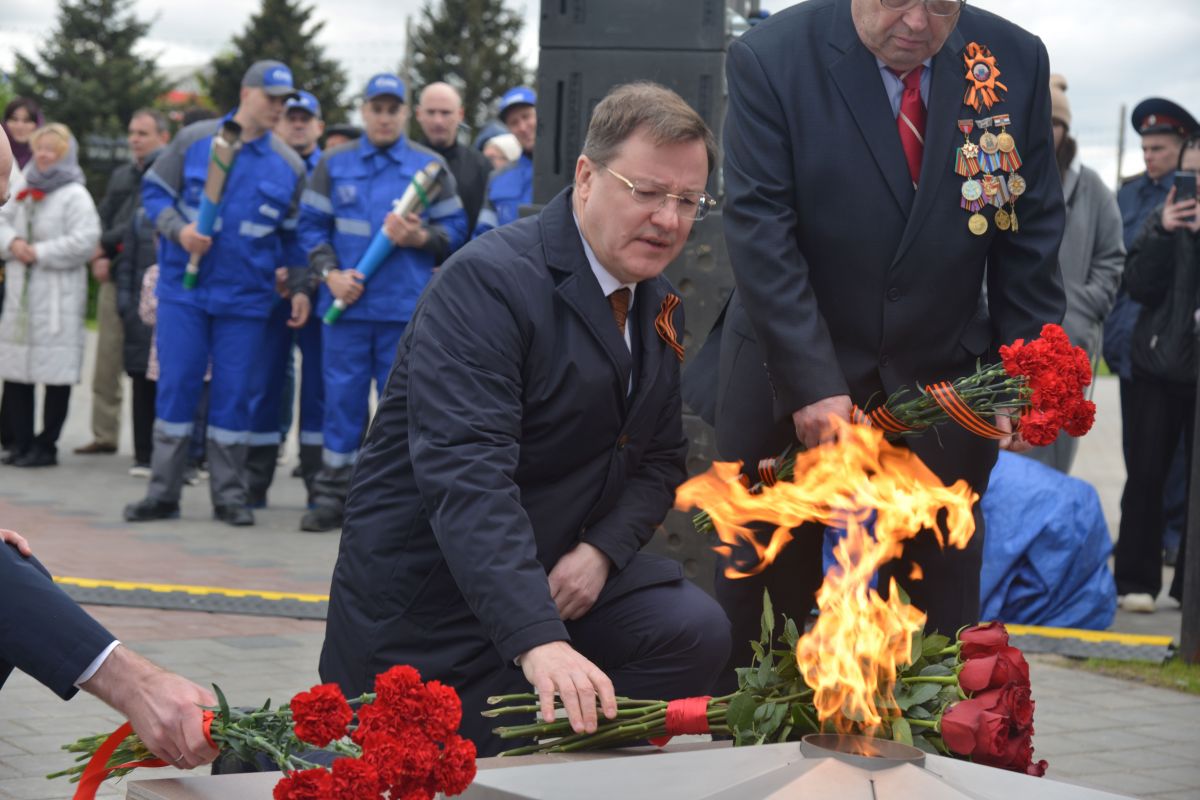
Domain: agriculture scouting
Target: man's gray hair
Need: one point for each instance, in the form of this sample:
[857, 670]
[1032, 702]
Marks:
[160, 120]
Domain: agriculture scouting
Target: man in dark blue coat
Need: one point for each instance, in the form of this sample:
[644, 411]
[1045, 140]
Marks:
[859, 244]
[46, 635]
[528, 444]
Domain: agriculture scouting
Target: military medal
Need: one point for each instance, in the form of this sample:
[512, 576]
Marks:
[989, 145]
[1016, 185]
[983, 88]
[966, 158]
[977, 224]
[1003, 221]
[1010, 159]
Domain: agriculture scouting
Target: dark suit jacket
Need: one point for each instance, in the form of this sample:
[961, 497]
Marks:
[503, 439]
[848, 281]
[43, 632]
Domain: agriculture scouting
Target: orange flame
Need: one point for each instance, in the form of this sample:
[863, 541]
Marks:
[859, 483]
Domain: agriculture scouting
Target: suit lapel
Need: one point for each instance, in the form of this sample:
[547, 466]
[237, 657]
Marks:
[945, 109]
[649, 300]
[857, 77]
[578, 287]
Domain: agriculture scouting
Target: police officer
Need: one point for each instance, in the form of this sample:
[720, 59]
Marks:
[223, 318]
[349, 199]
[512, 187]
[270, 412]
[439, 112]
[1163, 125]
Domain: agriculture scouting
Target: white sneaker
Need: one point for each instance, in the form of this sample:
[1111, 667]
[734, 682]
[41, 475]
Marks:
[1138, 603]
[139, 471]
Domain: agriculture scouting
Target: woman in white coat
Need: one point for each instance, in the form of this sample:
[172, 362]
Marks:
[47, 233]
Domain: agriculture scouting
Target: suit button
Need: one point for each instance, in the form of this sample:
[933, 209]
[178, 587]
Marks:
[621, 442]
[893, 294]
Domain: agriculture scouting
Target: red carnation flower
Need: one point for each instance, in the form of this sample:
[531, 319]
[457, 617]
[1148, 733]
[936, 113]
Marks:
[308, 784]
[401, 690]
[456, 769]
[442, 712]
[354, 779]
[321, 714]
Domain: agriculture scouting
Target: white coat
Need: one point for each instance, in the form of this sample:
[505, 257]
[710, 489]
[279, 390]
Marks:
[41, 329]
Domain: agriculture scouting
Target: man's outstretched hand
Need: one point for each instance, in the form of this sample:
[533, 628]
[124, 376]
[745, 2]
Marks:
[557, 668]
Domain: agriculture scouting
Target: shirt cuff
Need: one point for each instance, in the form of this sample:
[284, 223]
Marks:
[97, 662]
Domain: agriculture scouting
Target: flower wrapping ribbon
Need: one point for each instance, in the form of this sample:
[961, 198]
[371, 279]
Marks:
[880, 418]
[665, 327]
[947, 398]
[685, 717]
[97, 772]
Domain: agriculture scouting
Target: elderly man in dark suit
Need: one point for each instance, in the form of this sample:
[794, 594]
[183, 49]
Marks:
[859, 247]
[527, 445]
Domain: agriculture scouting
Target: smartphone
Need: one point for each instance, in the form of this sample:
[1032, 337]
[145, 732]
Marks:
[1185, 186]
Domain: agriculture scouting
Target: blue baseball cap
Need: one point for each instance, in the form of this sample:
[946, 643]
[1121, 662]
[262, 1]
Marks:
[516, 96]
[384, 84]
[273, 77]
[304, 101]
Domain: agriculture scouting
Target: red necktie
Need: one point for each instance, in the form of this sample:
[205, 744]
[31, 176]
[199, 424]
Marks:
[911, 120]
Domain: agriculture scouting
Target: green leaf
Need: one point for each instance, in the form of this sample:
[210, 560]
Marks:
[778, 714]
[221, 701]
[919, 712]
[758, 649]
[791, 634]
[743, 676]
[923, 744]
[766, 672]
[934, 644]
[917, 693]
[904, 598]
[917, 640]
[948, 695]
[902, 731]
[936, 670]
[768, 619]
[740, 714]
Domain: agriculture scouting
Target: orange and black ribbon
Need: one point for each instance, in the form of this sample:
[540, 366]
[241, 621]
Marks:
[880, 418]
[983, 88]
[97, 770]
[957, 409]
[666, 327]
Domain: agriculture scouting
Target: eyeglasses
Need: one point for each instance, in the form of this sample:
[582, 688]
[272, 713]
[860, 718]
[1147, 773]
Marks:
[689, 205]
[938, 8]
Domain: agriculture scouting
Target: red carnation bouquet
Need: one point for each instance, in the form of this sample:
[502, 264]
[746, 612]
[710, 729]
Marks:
[1043, 381]
[404, 744]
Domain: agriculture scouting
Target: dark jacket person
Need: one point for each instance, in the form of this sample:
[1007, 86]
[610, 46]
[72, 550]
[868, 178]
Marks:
[529, 442]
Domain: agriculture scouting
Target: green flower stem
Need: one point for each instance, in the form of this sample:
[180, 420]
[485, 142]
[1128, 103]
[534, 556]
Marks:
[923, 723]
[945, 680]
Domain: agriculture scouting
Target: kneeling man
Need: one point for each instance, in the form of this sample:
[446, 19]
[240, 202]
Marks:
[528, 444]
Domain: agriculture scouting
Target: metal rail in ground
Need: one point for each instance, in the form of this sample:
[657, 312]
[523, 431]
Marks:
[175, 597]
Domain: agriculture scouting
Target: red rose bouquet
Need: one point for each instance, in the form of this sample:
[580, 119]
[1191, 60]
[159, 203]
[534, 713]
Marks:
[969, 699]
[404, 744]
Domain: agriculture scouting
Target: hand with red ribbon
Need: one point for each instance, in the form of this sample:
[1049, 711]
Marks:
[162, 707]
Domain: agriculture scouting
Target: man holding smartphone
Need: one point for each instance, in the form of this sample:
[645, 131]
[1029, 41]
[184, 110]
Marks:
[1163, 125]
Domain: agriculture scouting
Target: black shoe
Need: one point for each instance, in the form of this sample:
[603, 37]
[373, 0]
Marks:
[321, 519]
[147, 509]
[37, 457]
[238, 516]
[11, 457]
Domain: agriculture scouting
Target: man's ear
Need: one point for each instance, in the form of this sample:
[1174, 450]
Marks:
[585, 173]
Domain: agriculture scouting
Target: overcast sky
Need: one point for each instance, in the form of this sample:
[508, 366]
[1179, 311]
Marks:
[1112, 53]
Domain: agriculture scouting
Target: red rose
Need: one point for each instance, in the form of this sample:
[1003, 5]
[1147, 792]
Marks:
[1001, 668]
[980, 640]
[970, 729]
[354, 779]
[442, 712]
[308, 784]
[321, 714]
[997, 726]
[456, 769]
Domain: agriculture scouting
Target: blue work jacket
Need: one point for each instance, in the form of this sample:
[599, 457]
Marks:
[507, 190]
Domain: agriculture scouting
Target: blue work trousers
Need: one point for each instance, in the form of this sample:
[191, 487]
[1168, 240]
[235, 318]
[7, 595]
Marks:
[354, 353]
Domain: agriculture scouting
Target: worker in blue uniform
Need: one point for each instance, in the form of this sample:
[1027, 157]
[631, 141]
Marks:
[271, 407]
[349, 198]
[512, 187]
[223, 318]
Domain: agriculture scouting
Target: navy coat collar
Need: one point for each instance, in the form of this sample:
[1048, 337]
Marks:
[579, 289]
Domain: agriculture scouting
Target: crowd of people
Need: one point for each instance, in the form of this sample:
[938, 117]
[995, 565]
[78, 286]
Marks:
[528, 437]
[296, 220]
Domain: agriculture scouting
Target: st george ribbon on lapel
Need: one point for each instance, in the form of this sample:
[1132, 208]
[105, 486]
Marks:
[665, 327]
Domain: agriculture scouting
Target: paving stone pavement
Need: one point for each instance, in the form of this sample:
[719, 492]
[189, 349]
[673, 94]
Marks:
[1113, 734]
